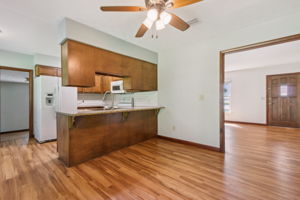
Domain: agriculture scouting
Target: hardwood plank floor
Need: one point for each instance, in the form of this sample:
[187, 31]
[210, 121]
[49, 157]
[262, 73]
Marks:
[260, 163]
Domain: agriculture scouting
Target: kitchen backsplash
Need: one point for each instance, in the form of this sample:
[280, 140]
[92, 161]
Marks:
[140, 99]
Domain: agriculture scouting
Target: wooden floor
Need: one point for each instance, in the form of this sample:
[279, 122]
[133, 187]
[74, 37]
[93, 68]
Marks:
[260, 163]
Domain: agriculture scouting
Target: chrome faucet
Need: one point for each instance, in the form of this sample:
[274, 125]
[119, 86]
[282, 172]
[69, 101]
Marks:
[112, 102]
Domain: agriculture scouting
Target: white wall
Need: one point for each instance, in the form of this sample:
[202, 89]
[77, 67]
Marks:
[51, 61]
[17, 60]
[189, 80]
[14, 106]
[248, 92]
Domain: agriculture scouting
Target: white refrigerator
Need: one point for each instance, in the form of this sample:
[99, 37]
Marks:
[49, 97]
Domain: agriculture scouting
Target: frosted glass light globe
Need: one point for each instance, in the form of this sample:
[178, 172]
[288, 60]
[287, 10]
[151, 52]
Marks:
[165, 17]
[152, 14]
[159, 25]
[148, 23]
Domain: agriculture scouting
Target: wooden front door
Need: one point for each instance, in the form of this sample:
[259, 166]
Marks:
[283, 100]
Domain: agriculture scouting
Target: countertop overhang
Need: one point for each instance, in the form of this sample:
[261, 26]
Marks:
[86, 112]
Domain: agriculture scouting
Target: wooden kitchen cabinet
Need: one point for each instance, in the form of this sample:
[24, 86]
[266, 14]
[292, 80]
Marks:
[132, 69]
[107, 62]
[102, 84]
[96, 89]
[149, 76]
[85, 137]
[47, 71]
[142, 76]
[77, 64]
[80, 63]
[106, 80]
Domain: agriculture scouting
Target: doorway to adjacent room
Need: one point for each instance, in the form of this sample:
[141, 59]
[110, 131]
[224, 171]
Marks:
[16, 102]
[279, 103]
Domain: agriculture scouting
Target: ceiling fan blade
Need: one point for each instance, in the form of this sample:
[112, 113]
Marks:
[142, 30]
[178, 23]
[181, 3]
[123, 8]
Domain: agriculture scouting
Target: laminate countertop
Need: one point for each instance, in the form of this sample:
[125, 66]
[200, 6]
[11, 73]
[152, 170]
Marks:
[86, 112]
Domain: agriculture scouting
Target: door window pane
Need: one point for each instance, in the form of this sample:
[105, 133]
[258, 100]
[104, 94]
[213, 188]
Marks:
[227, 97]
[283, 90]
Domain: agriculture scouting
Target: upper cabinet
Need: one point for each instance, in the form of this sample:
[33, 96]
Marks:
[47, 70]
[80, 63]
[108, 62]
[149, 76]
[132, 69]
[77, 64]
[95, 89]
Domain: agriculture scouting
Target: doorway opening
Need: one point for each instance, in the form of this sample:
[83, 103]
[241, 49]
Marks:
[16, 87]
[226, 85]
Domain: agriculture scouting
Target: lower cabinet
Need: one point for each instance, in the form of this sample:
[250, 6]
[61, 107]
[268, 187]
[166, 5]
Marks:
[82, 138]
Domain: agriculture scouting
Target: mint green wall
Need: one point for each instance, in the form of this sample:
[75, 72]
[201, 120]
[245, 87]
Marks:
[14, 59]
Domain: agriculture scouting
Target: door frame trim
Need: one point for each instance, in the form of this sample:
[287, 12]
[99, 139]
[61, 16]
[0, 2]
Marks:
[222, 75]
[267, 93]
[30, 71]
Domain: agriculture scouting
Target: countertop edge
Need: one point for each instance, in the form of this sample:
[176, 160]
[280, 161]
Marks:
[102, 112]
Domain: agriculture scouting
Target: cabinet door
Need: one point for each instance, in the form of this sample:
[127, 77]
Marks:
[58, 72]
[78, 66]
[96, 89]
[98, 84]
[132, 69]
[80, 89]
[106, 83]
[107, 62]
[149, 76]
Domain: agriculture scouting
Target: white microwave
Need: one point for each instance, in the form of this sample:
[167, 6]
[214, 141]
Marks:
[117, 87]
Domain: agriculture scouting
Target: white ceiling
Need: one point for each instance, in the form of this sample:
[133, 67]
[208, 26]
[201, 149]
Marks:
[31, 26]
[285, 53]
[13, 76]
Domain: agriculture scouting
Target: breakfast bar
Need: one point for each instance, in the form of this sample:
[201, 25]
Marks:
[90, 133]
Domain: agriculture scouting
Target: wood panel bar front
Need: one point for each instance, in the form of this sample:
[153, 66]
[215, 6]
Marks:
[83, 138]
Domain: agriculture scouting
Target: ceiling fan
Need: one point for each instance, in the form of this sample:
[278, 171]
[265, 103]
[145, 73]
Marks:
[156, 13]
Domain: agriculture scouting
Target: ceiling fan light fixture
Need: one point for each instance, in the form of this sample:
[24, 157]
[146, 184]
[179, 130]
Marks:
[165, 17]
[152, 14]
[148, 23]
[159, 25]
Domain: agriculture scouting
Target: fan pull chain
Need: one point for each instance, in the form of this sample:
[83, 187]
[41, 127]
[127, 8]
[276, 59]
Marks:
[154, 34]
